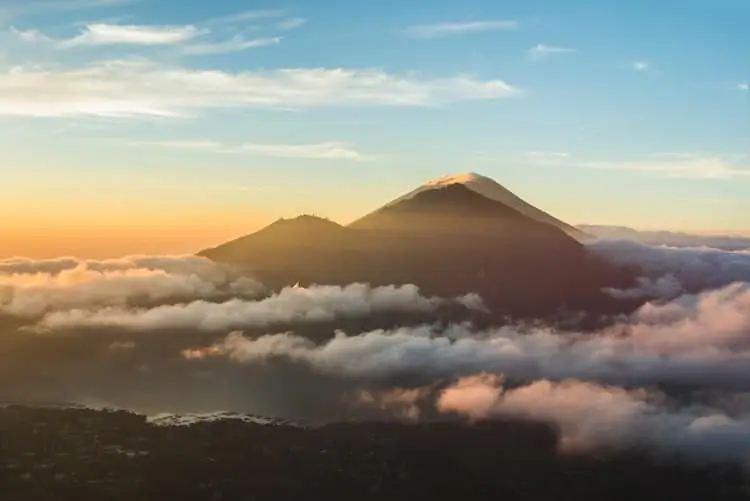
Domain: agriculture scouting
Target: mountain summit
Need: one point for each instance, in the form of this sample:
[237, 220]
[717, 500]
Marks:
[451, 236]
[490, 189]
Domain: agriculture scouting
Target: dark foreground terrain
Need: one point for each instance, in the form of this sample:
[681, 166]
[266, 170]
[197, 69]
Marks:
[80, 455]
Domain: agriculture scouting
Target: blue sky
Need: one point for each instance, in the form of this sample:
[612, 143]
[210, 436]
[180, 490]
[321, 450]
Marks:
[633, 113]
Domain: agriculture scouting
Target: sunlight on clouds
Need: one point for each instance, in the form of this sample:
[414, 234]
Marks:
[110, 34]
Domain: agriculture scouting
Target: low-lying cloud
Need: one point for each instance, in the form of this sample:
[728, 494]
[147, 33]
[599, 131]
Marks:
[590, 415]
[289, 306]
[32, 288]
[699, 340]
[667, 272]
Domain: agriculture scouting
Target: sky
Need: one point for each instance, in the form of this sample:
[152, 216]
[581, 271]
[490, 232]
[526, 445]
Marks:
[158, 126]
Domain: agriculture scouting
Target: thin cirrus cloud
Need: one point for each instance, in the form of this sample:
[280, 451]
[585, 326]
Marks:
[457, 28]
[291, 23]
[690, 168]
[332, 150]
[328, 151]
[248, 15]
[687, 166]
[743, 87]
[543, 51]
[235, 44]
[641, 66]
[141, 89]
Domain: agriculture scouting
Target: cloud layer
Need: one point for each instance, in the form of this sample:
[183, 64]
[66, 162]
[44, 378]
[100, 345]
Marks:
[590, 415]
[700, 341]
[32, 288]
[289, 306]
[669, 271]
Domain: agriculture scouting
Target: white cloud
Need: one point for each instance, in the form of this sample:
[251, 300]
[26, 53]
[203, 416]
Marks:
[589, 415]
[249, 15]
[290, 305]
[694, 340]
[641, 66]
[690, 167]
[447, 29]
[333, 150]
[328, 150]
[542, 51]
[31, 288]
[112, 34]
[292, 23]
[692, 268]
[743, 87]
[235, 44]
[140, 88]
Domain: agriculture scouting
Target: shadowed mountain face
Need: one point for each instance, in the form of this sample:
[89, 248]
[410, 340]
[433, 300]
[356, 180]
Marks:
[448, 240]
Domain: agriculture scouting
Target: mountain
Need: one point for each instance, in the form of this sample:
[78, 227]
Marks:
[448, 239]
[489, 189]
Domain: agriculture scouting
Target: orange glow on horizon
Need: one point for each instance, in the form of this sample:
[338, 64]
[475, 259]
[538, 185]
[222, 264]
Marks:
[112, 241]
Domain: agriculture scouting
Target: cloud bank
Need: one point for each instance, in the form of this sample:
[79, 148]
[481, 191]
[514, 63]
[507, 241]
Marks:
[32, 288]
[289, 306]
[590, 415]
[668, 271]
[697, 340]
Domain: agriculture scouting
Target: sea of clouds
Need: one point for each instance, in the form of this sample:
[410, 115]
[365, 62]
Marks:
[181, 334]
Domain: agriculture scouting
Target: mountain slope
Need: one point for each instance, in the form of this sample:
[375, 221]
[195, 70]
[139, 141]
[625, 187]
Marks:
[448, 240]
[490, 189]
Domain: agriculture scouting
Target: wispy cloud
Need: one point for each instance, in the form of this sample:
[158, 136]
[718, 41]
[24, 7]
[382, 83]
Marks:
[112, 34]
[31, 36]
[248, 15]
[330, 151]
[182, 145]
[333, 150]
[546, 157]
[235, 44]
[672, 165]
[292, 23]
[139, 88]
[641, 65]
[459, 28]
[743, 87]
[690, 167]
[542, 51]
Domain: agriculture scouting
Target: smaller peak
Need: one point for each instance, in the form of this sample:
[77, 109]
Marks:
[304, 219]
[465, 178]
